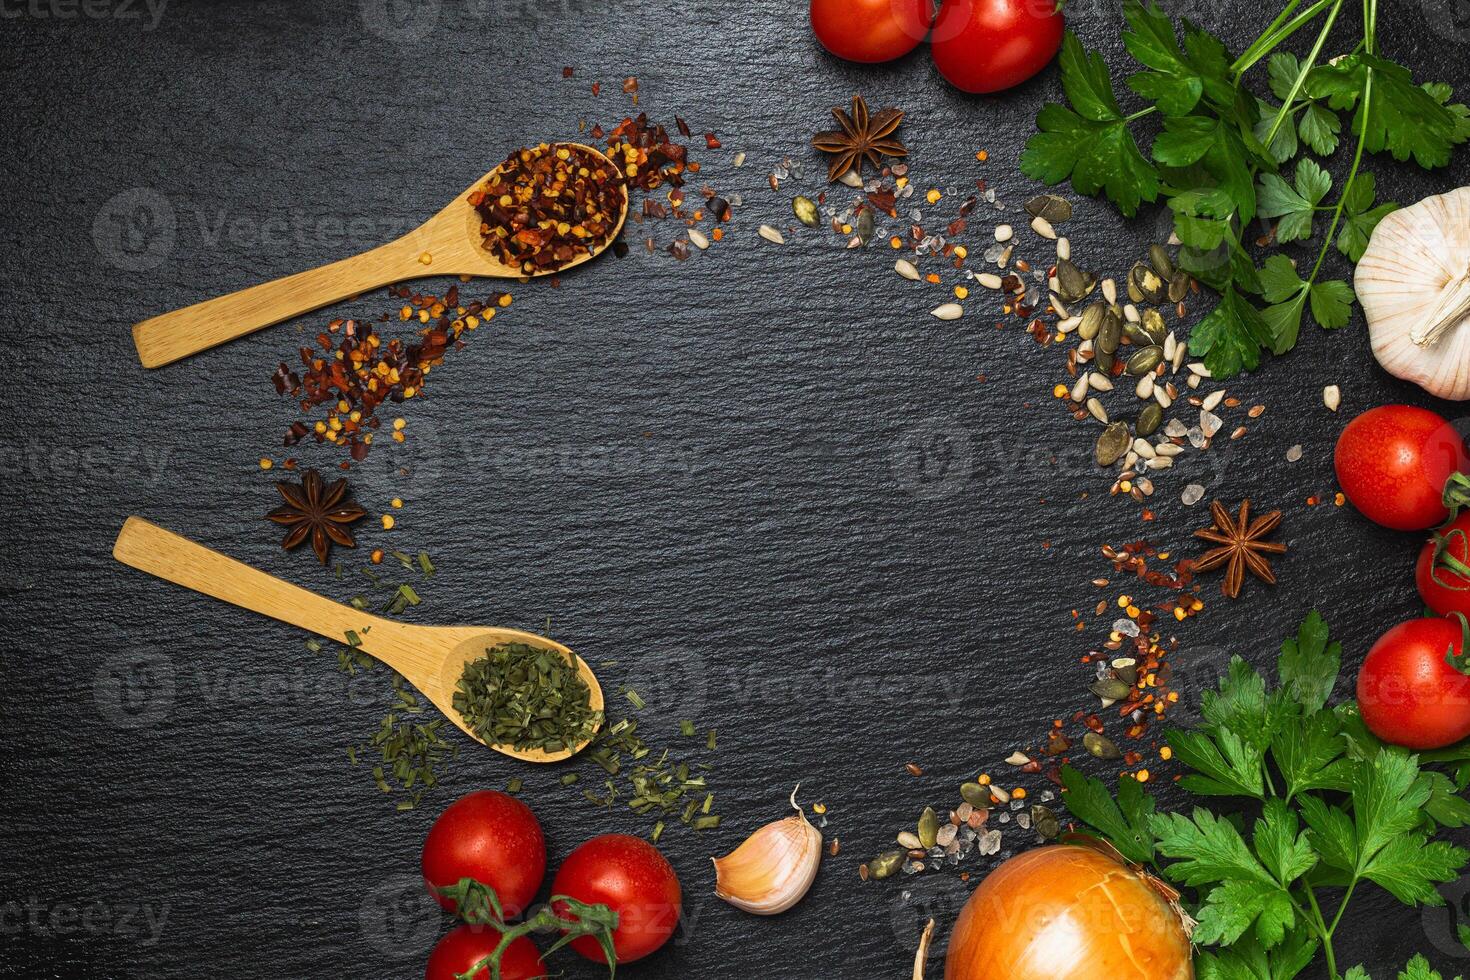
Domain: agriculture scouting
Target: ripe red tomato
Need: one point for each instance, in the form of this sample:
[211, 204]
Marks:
[462, 948]
[989, 45]
[631, 877]
[871, 30]
[493, 838]
[1393, 461]
[1444, 589]
[1408, 693]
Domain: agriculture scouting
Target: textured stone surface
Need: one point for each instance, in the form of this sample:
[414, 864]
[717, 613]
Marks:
[764, 482]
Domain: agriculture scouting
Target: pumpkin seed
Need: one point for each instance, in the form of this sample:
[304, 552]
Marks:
[1092, 321]
[865, 226]
[1145, 360]
[1149, 419]
[1100, 746]
[1051, 207]
[1112, 444]
[1110, 689]
[1178, 286]
[1111, 333]
[1073, 285]
[928, 828]
[1152, 322]
[806, 210]
[1045, 822]
[1103, 361]
[888, 862]
[975, 794]
[1147, 284]
[1158, 257]
[1136, 334]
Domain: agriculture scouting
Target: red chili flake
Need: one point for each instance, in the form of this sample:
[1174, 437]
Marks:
[596, 88]
[630, 84]
[711, 141]
[566, 73]
[720, 208]
[682, 126]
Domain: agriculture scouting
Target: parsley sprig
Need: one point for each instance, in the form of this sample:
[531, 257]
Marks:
[1329, 809]
[1221, 157]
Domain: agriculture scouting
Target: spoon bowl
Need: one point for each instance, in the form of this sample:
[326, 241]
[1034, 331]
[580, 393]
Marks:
[431, 658]
[449, 243]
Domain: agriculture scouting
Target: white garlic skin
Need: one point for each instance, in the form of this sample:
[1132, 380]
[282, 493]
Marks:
[774, 868]
[1415, 271]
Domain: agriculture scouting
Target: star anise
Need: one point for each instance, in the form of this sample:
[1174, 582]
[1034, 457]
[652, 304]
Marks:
[862, 137]
[1239, 546]
[314, 509]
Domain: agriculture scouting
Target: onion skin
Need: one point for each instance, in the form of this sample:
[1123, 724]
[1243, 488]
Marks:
[1067, 913]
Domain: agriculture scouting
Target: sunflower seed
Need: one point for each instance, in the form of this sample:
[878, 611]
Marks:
[1069, 324]
[1064, 248]
[1004, 233]
[1058, 306]
[1110, 290]
[851, 179]
[999, 795]
[772, 235]
[1017, 759]
[906, 269]
[1145, 386]
[948, 311]
[1079, 387]
[1096, 410]
[1181, 350]
[1332, 397]
[1043, 228]
[908, 840]
[989, 280]
[1168, 449]
[1100, 382]
[1198, 368]
[1160, 463]
[1162, 397]
[1143, 447]
[1194, 381]
[1171, 347]
[697, 237]
[1212, 400]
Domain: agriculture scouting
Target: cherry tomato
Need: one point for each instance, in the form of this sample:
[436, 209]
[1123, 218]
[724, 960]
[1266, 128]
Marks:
[1408, 693]
[1393, 461]
[466, 946]
[493, 838]
[631, 877]
[989, 45]
[871, 30]
[1443, 588]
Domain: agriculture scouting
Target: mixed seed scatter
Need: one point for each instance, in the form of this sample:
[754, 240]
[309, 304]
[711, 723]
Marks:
[527, 697]
[354, 370]
[551, 204]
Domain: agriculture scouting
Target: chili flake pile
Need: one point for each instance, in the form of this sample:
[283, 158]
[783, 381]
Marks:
[353, 370]
[548, 205]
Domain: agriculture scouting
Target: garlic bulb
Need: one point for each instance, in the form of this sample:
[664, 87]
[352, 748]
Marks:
[1414, 284]
[774, 868]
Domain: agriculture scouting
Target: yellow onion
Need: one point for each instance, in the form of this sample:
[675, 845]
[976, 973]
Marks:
[774, 868]
[1069, 912]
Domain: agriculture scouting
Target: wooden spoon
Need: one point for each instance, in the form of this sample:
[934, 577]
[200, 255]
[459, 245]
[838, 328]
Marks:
[450, 240]
[431, 658]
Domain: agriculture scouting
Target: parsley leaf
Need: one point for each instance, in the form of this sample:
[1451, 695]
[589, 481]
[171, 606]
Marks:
[1249, 960]
[1090, 142]
[1359, 216]
[1231, 336]
[1295, 206]
[1402, 117]
[1331, 302]
[1125, 823]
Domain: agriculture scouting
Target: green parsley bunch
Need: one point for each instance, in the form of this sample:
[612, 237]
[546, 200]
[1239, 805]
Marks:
[1321, 809]
[1225, 157]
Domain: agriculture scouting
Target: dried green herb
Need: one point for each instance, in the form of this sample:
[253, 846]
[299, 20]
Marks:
[527, 697]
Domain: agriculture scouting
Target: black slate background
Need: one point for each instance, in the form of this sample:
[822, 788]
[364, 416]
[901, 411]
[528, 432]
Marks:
[765, 483]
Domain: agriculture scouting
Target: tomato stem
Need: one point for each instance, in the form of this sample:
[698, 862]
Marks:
[477, 904]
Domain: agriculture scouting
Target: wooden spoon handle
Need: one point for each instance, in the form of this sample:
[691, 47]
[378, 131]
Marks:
[173, 336]
[150, 548]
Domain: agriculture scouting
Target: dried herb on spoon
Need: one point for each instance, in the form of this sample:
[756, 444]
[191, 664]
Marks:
[526, 697]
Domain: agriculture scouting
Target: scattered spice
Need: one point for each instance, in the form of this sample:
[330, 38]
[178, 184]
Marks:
[550, 204]
[861, 136]
[317, 511]
[1240, 547]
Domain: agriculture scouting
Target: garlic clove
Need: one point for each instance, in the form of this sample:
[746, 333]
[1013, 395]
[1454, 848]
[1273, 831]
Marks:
[774, 868]
[1414, 285]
